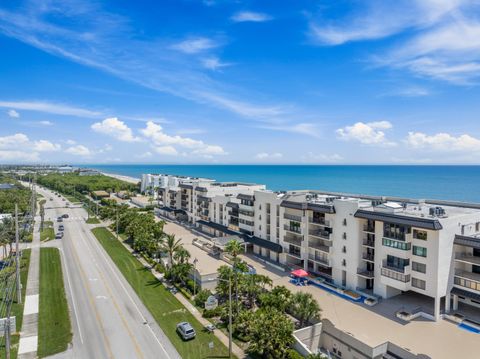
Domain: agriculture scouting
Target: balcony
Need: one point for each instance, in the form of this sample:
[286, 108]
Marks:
[393, 243]
[369, 229]
[296, 240]
[319, 245]
[467, 275]
[292, 217]
[368, 243]
[365, 273]
[320, 260]
[293, 254]
[293, 229]
[184, 197]
[467, 258]
[320, 234]
[393, 274]
[319, 221]
[368, 257]
[404, 270]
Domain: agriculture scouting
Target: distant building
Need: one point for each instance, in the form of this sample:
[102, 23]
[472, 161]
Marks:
[100, 194]
[5, 186]
[87, 172]
[65, 169]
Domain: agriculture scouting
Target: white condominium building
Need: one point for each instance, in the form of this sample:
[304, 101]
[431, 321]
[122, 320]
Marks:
[374, 245]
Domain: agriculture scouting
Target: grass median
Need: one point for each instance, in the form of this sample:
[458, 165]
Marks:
[93, 220]
[17, 308]
[165, 308]
[54, 328]
[48, 233]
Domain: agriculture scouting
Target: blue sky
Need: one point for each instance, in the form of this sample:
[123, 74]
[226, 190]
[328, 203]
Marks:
[185, 81]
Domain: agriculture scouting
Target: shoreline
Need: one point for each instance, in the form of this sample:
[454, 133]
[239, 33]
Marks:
[122, 177]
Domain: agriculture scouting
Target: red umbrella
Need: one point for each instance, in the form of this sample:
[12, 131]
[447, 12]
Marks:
[300, 273]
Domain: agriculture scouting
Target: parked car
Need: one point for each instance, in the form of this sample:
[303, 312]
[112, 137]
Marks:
[65, 215]
[59, 235]
[61, 228]
[186, 330]
[60, 219]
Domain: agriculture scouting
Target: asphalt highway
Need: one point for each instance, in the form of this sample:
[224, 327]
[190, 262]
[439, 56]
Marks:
[108, 318]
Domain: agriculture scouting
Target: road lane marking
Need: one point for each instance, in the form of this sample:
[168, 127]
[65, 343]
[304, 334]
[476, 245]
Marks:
[101, 251]
[89, 294]
[71, 295]
[117, 307]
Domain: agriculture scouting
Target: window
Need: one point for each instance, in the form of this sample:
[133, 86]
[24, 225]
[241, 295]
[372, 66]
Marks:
[344, 221]
[418, 283]
[477, 227]
[419, 251]
[344, 249]
[344, 262]
[419, 267]
[344, 236]
[396, 244]
[422, 235]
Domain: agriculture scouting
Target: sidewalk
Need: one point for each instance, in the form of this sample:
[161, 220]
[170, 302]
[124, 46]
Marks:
[29, 333]
[236, 350]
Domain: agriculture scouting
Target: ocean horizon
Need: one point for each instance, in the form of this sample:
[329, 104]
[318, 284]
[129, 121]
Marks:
[447, 182]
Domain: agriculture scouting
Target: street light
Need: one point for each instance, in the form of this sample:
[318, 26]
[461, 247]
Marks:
[229, 314]
[195, 260]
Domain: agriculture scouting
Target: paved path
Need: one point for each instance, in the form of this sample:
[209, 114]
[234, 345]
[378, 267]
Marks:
[108, 319]
[29, 332]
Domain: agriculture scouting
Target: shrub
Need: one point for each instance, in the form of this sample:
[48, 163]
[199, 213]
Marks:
[293, 354]
[189, 284]
[212, 312]
[202, 297]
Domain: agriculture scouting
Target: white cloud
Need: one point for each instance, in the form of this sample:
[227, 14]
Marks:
[311, 157]
[370, 133]
[115, 128]
[48, 107]
[145, 155]
[18, 156]
[70, 142]
[268, 156]
[14, 141]
[441, 37]
[443, 142]
[45, 123]
[308, 129]
[195, 45]
[214, 63]
[19, 147]
[13, 114]
[79, 150]
[45, 146]
[166, 150]
[154, 132]
[250, 16]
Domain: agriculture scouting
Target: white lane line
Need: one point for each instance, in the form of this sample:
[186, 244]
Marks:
[71, 295]
[128, 295]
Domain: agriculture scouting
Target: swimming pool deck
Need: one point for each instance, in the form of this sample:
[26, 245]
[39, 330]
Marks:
[372, 325]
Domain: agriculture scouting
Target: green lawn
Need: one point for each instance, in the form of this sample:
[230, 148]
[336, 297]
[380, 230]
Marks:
[165, 308]
[47, 234]
[54, 329]
[93, 220]
[17, 309]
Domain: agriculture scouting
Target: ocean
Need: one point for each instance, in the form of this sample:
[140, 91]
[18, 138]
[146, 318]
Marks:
[460, 183]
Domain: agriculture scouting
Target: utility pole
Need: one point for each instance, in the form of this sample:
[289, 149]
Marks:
[116, 208]
[194, 276]
[17, 258]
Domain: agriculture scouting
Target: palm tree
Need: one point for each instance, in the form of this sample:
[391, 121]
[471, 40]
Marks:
[234, 248]
[181, 256]
[280, 298]
[170, 246]
[305, 308]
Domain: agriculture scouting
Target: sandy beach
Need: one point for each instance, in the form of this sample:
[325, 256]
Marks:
[122, 178]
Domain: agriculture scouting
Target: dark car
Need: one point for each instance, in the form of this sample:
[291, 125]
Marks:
[65, 215]
[61, 228]
[60, 219]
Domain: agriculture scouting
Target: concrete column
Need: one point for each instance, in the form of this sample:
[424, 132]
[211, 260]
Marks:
[455, 302]
[436, 312]
[448, 299]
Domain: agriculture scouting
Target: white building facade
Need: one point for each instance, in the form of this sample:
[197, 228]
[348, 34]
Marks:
[373, 245]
